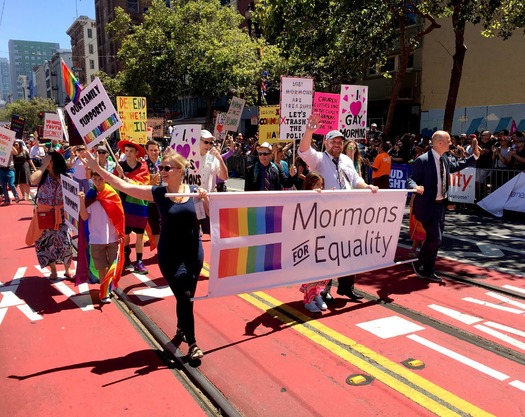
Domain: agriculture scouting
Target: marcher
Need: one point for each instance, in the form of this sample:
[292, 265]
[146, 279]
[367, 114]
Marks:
[381, 167]
[265, 175]
[313, 301]
[101, 209]
[23, 165]
[54, 246]
[430, 180]
[7, 178]
[134, 170]
[180, 251]
[81, 173]
[338, 173]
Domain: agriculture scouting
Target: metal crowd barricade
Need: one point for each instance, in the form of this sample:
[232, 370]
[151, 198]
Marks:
[489, 180]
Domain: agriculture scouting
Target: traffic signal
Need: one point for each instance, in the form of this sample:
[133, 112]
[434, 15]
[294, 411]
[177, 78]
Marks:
[41, 114]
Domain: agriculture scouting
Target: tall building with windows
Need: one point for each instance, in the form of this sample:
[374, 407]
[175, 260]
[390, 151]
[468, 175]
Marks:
[105, 13]
[23, 56]
[4, 79]
[83, 33]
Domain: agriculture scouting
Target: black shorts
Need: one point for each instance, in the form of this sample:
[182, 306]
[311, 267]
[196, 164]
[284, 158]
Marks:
[136, 230]
[154, 218]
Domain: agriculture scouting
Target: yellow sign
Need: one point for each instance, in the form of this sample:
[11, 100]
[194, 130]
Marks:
[269, 124]
[133, 113]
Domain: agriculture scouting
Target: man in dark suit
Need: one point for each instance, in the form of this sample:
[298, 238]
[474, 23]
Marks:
[430, 180]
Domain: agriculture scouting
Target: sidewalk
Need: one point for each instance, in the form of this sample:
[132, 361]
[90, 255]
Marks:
[62, 355]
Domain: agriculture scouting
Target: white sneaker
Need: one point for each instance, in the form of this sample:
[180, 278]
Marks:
[320, 302]
[312, 307]
[105, 300]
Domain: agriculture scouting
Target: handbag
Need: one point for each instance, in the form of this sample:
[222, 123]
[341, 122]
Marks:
[46, 219]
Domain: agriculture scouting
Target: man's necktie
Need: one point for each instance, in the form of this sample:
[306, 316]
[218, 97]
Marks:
[267, 179]
[340, 179]
[443, 173]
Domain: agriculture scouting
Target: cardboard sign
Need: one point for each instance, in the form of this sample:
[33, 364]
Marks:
[296, 106]
[233, 117]
[327, 106]
[94, 115]
[185, 140]
[17, 125]
[53, 127]
[218, 131]
[157, 126]
[70, 189]
[7, 139]
[353, 111]
[269, 124]
[133, 114]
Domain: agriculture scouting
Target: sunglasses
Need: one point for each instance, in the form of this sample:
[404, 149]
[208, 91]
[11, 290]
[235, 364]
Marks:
[166, 168]
[264, 153]
[101, 152]
[207, 142]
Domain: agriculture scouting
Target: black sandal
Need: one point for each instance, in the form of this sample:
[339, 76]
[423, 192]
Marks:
[195, 353]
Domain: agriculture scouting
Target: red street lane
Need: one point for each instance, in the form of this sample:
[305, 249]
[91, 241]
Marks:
[57, 359]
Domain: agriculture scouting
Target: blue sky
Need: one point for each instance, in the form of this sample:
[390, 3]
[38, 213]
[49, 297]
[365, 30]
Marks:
[40, 20]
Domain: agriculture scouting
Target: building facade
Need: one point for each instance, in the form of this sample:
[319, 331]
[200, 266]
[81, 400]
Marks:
[105, 13]
[84, 48]
[5, 85]
[23, 56]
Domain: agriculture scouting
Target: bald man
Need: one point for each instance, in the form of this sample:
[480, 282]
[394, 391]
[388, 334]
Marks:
[430, 181]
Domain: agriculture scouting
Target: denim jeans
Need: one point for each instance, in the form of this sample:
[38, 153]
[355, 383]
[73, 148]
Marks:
[7, 178]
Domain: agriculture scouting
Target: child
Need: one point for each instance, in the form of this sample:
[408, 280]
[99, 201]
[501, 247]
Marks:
[102, 208]
[313, 301]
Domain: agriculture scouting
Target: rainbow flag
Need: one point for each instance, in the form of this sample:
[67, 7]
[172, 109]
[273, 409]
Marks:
[248, 260]
[250, 221]
[71, 84]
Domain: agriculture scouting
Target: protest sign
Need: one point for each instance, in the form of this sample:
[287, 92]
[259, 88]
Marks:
[133, 114]
[274, 239]
[185, 140]
[269, 124]
[70, 189]
[52, 127]
[233, 117]
[62, 118]
[94, 115]
[463, 186]
[7, 139]
[296, 106]
[157, 126]
[17, 125]
[327, 106]
[218, 131]
[353, 111]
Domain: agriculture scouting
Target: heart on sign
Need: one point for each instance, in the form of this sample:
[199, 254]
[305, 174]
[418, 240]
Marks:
[193, 153]
[343, 110]
[343, 126]
[193, 140]
[346, 87]
[219, 128]
[363, 123]
[191, 130]
[355, 107]
[345, 98]
[197, 164]
[183, 150]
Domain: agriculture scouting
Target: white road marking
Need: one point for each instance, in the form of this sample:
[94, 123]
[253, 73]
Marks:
[506, 300]
[462, 317]
[501, 336]
[10, 299]
[492, 305]
[458, 357]
[488, 250]
[513, 288]
[145, 280]
[505, 328]
[388, 327]
[518, 384]
[157, 292]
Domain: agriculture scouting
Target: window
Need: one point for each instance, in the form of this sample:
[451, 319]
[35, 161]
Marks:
[390, 64]
[90, 33]
[91, 64]
[90, 48]
[133, 6]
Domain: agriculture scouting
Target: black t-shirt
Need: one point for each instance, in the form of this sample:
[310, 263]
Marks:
[485, 161]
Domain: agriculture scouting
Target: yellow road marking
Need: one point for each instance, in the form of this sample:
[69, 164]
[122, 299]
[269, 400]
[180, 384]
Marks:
[322, 335]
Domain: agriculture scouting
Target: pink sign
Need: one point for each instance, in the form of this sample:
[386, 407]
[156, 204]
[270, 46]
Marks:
[353, 111]
[327, 105]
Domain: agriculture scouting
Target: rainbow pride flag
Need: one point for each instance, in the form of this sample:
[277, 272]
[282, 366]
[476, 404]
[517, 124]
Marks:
[250, 221]
[248, 260]
[71, 84]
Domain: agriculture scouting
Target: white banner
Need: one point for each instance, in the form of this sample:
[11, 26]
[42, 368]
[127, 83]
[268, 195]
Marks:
[271, 239]
[297, 95]
[463, 186]
[510, 196]
[233, 117]
[353, 111]
[185, 140]
[94, 115]
[7, 139]
[70, 189]
[52, 127]
[63, 122]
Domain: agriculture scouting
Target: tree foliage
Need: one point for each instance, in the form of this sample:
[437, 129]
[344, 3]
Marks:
[193, 48]
[29, 110]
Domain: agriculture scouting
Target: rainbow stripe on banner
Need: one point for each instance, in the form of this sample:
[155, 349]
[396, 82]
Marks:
[250, 221]
[71, 219]
[99, 130]
[248, 260]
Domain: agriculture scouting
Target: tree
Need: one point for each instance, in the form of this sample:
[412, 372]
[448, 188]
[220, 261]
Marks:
[29, 110]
